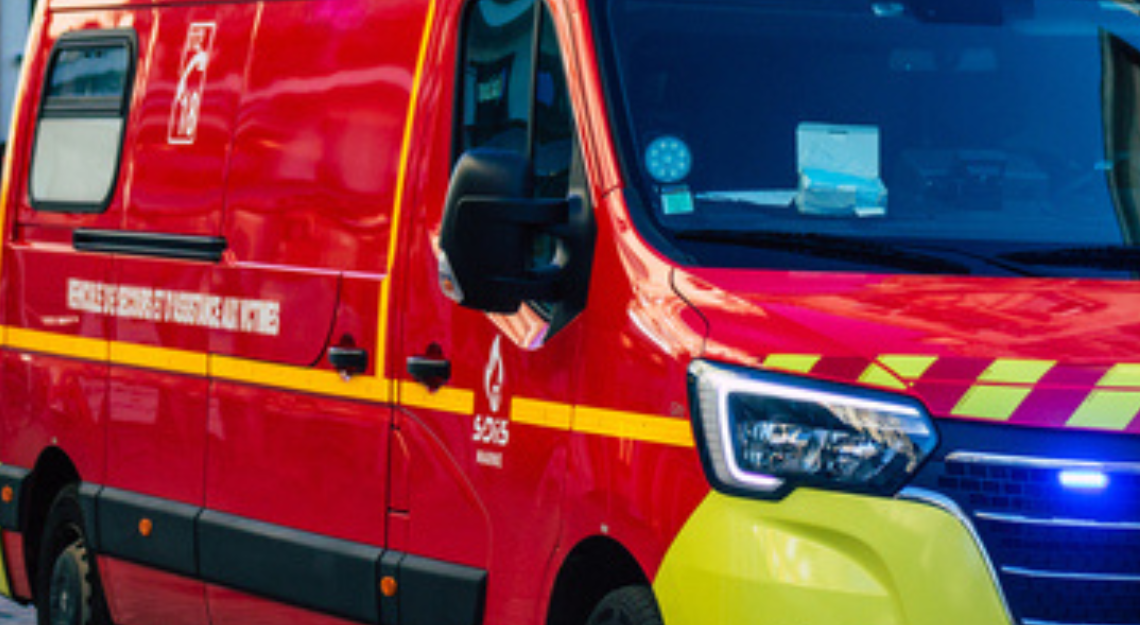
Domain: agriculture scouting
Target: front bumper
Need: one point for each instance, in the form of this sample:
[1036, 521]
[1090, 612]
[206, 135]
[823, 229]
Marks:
[822, 558]
[5, 588]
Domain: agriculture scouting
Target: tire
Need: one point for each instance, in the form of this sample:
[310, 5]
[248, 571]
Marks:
[67, 584]
[631, 605]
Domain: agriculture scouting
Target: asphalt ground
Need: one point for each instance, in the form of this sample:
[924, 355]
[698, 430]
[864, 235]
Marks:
[13, 614]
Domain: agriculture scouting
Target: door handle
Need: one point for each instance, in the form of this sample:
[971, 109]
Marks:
[431, 372]
[348, 361]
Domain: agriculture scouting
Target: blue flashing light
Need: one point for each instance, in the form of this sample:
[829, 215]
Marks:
[1083, 479]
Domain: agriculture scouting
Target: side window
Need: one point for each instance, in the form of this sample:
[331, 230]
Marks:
[553, 118]
[552, 133]
[514, 96]
[510, 101]
[497, 62]
[82, 118]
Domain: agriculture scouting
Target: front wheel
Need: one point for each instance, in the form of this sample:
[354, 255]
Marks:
[67, 587]
[631, 605]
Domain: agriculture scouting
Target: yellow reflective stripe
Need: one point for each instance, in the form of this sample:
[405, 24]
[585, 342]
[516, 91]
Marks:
[455, 400]
[1107, 410]
[794, 363]
[908, 367]
[560, 416]
[1009, 371]
[406, 146]
[300, 379]
[1122, 375]
[286, 377]
[631, 426]
[6, 184]
[991, 402]
[382, 330]
[58, 344]
[876, 375]
[401, 183]
[545, 414]
[159, 358]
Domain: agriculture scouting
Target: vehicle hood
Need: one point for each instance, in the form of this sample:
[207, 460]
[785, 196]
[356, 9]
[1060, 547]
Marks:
[1036, 352]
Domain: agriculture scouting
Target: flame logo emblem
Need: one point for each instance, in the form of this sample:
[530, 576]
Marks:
[493, 377]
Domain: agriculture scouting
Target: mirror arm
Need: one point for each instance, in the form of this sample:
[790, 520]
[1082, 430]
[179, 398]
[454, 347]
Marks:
[520, 211]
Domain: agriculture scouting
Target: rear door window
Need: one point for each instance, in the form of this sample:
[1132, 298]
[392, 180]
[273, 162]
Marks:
[82, 117]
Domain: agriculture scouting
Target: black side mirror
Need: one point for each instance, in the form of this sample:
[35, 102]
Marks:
[489, 233]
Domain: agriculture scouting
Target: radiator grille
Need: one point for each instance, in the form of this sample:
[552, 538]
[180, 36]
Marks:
[1062, 555]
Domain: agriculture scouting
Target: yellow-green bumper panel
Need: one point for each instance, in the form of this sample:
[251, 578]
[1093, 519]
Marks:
[820, 558]
[5, 590]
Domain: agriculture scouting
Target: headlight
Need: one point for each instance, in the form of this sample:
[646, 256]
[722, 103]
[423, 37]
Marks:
[762, 433]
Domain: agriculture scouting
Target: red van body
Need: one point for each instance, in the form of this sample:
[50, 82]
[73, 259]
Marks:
[235, 371]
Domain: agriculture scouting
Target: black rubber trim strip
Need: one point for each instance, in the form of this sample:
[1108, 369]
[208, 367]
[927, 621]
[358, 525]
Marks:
[179, 246]
[89, 503]
[14, 478]
[390, 606]
[441, 593]
[316, 572]
[319, 573]
[170, 545]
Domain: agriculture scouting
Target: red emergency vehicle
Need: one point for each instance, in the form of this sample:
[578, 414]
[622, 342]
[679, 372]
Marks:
[573, 312]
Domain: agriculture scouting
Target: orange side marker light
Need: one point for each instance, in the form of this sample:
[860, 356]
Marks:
[146, 527]
[7, 494]
[388, 586]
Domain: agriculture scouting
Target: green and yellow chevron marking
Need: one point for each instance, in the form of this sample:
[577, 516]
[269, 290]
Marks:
[996, 403]
[1002, 388]
[1007, 371]
[1113, 406]
[1106, 410]
[1121, 376]
[876, 375]
[909, 368]
[792, 363]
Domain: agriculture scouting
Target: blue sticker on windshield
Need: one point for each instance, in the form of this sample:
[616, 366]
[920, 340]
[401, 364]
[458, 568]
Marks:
[668, 160]
[676, 200]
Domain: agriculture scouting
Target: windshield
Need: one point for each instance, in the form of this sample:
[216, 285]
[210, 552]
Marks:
[1000, 131]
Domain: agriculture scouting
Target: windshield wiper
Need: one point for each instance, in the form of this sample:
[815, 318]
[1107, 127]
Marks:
[832, 246]
[1105, 257]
